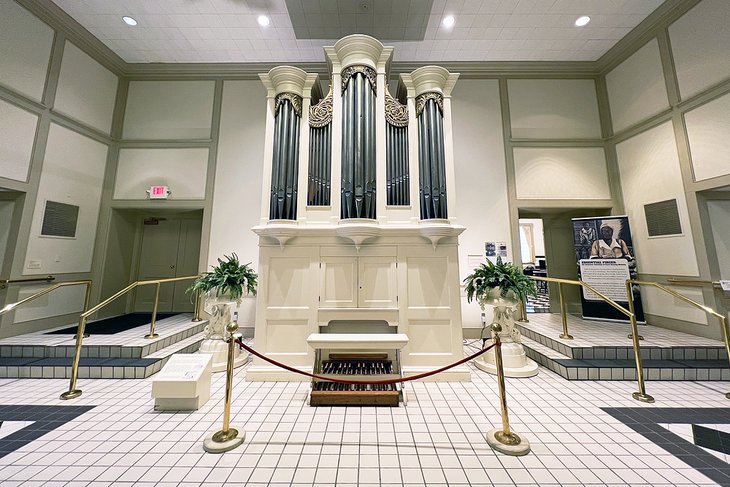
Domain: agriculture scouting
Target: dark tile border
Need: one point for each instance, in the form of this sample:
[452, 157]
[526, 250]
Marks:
[47, 418]
[645, 421]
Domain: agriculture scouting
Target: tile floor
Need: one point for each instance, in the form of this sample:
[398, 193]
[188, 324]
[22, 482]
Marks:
[579, 432]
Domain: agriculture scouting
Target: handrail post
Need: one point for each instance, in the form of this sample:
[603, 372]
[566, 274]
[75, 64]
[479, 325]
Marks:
[196, 313]
[726, 339]
[565, 335]
[227, 438]
[152, 333]
[504, 440]
[72, 392]
[641, 395]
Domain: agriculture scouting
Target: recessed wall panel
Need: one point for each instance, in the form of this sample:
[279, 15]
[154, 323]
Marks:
[650, 172]
[708, 130]
[554, 108]
[429, 336]
[288, 284]
[701, 46]
[561, 173]
[169, 110]
[287, 337]
[427, 283]
[182, 170]
[636, 88]
[86, 90]
[73, 173]
[25, 49]
[18, 129]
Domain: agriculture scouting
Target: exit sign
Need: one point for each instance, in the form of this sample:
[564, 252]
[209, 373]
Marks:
[158, 192]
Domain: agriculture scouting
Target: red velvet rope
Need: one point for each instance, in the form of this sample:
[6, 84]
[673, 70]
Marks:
[346, 381]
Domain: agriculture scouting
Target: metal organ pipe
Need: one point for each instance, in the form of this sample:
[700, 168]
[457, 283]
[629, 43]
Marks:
[358, 148]
[283, 203]
[431, 159]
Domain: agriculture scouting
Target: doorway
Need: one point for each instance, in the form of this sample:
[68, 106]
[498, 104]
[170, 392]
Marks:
[559, 259]
[144, 245]
[169, 247]
[717, 231]
[534, 262]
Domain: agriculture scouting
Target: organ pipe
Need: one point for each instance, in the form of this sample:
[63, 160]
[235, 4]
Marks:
[285, 166]
[396, 135]
[431, 156]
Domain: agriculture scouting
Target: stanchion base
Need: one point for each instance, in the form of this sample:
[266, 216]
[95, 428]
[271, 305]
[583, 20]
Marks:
[642, 397]
[150, 336]
[72, 394]
[566, 337]
[631, 337]
[229, 441]
[514, 444]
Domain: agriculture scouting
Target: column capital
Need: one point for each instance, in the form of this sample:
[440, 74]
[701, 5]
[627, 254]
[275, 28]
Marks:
[288, 79]
[429, 78]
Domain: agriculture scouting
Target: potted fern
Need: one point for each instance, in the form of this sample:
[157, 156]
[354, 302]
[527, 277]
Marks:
[224, 288]
[229, 279]
[502, 285]
[498, 281]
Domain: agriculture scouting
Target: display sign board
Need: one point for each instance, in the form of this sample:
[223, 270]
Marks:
[604, 252]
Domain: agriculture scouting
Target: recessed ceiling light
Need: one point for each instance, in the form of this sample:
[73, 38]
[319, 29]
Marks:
[129, 20]
[581, 21]
[263, 20]
[448, 21]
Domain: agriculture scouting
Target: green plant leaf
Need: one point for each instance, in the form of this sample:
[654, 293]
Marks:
[504, 275]
[229, 277]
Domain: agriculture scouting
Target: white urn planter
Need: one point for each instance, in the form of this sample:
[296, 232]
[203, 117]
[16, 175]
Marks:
[220, 309]
[515, 361]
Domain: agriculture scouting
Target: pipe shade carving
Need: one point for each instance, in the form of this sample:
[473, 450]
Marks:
[397, 178]
[358, 148]
[285, 166]
[431, 157]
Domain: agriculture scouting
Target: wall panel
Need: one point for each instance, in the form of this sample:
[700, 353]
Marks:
[701, 46]
[649, 168]
[73, 173]
[25, 49]
[561, 173]
[86, 90]
[636, 87]
[183, 170]
[17, 129]
[554, 108]
[169, 110]
[708, 130]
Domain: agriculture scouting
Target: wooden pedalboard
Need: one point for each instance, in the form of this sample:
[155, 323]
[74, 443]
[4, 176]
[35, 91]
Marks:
[373, 366]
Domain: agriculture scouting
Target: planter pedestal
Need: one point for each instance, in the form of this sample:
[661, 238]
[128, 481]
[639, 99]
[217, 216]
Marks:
[515, 362]
[214, 343]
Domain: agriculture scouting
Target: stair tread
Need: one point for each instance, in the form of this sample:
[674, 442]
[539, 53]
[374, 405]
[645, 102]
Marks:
[84, 361]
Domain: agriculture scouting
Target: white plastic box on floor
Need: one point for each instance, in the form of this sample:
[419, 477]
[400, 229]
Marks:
[183, 384]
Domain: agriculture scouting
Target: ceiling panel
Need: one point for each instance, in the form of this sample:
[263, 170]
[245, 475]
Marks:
[171, 31]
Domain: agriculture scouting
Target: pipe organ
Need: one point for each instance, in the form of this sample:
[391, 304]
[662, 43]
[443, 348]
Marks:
[358, 230]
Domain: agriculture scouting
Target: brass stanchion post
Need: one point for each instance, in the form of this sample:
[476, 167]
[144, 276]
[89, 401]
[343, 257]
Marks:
[641, 395]
[565, 335]
[523, 310]
[196, 313]
[152, 333]
[227, 438]
[504, 440]
[72, 392]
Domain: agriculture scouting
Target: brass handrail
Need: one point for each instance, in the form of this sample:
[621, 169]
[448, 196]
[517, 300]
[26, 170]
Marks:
[706, 309]
[72, 391]
[87, 296]
[641, 395]
[4, 282]
[674, 281]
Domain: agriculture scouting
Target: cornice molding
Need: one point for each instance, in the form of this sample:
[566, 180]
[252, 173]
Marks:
[661, 18]
[60, 21]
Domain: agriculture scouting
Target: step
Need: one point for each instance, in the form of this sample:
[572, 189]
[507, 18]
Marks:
[97, 367]
[625, 369]
[127, 344]
[580, 349]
